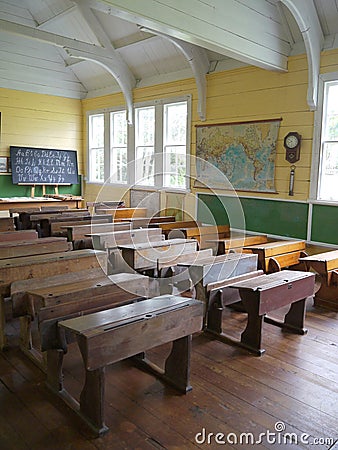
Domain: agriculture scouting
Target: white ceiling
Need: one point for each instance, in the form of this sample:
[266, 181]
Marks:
[37, 66]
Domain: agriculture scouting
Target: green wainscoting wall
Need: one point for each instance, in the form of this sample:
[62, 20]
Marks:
[325, 224]
[281, 218]
[8, 189]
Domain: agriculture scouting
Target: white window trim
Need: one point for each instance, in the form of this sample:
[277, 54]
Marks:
[131, 145]
[316, 143]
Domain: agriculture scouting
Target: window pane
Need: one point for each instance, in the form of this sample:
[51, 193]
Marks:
[96, 131]
[175, 167]
[145, 126]
[96, 147]
[328, 186]
[96, 165]
[331, 122]
[145, 166]
[175, 118]
[118, 149]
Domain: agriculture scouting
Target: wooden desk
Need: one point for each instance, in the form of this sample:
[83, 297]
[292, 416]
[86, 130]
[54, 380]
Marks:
[261, 295]
[274, 256]
[326, 265]
[123, 213]
[52, 300]
[42, 265]
[110, 336]
[78, 234]
[203, 234]
[22, 202]
[15, 249]
[111, 240]
[167, 227]
[217, 268]
[237, 243]
[143, 222]
[144, 256]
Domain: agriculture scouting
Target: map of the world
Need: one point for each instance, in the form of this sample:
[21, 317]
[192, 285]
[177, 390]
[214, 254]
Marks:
[244, 152]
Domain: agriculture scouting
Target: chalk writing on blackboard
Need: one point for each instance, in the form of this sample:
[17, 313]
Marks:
[43, 166]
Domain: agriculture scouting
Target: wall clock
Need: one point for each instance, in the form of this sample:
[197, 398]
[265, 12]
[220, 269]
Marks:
[292, 146]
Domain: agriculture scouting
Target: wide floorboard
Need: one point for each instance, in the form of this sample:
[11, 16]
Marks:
[291, 390]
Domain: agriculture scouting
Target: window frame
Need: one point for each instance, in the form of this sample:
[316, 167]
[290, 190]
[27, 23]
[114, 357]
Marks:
[131, 151]
[317, 140]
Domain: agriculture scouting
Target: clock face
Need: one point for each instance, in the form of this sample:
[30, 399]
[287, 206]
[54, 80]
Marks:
[291, 141]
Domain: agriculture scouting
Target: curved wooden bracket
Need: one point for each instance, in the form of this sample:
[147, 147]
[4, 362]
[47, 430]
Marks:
[306, 17]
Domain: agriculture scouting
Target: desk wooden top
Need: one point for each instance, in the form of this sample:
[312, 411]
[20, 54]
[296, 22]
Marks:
[73, 291]
[240, 242]
[277, 247]
[322, 262]
[264, 282]
[145, 255]
[126, 314]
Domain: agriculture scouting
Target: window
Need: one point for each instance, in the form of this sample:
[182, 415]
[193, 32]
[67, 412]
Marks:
[157, 142]
[328, 168]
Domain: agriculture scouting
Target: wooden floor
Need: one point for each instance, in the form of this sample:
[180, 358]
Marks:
[293, 385]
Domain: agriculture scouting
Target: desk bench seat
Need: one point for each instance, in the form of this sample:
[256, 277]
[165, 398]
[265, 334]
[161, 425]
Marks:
[116, 334]
[260, 295]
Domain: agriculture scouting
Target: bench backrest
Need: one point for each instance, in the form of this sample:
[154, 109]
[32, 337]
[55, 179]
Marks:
[15, 249]
[79, 299]
[184, 258]
[80, 231]
[113, 239]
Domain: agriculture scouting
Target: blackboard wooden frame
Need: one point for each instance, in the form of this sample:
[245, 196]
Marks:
[43, 166]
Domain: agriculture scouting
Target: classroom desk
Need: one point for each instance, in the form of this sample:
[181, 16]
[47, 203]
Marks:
[38, 266]
[22, 202]
[49, 300]
[124, 213]
[260, 295]
[15, 249]
[103, 341]
[237, 243]
[273, 256]
[326, 265]
[144, 256]
[212, 269]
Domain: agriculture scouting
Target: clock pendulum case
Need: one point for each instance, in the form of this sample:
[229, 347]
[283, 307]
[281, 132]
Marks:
[292, 154]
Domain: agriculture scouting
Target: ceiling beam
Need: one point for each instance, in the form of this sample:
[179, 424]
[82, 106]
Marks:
[211, 25]
[117, 66]
[82, 50]
[305, 14]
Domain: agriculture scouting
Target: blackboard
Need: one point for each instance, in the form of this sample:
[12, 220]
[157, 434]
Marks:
[43, 166]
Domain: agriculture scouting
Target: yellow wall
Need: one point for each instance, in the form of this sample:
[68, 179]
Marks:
[242, 95]
[238, 95]
[37, 120]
